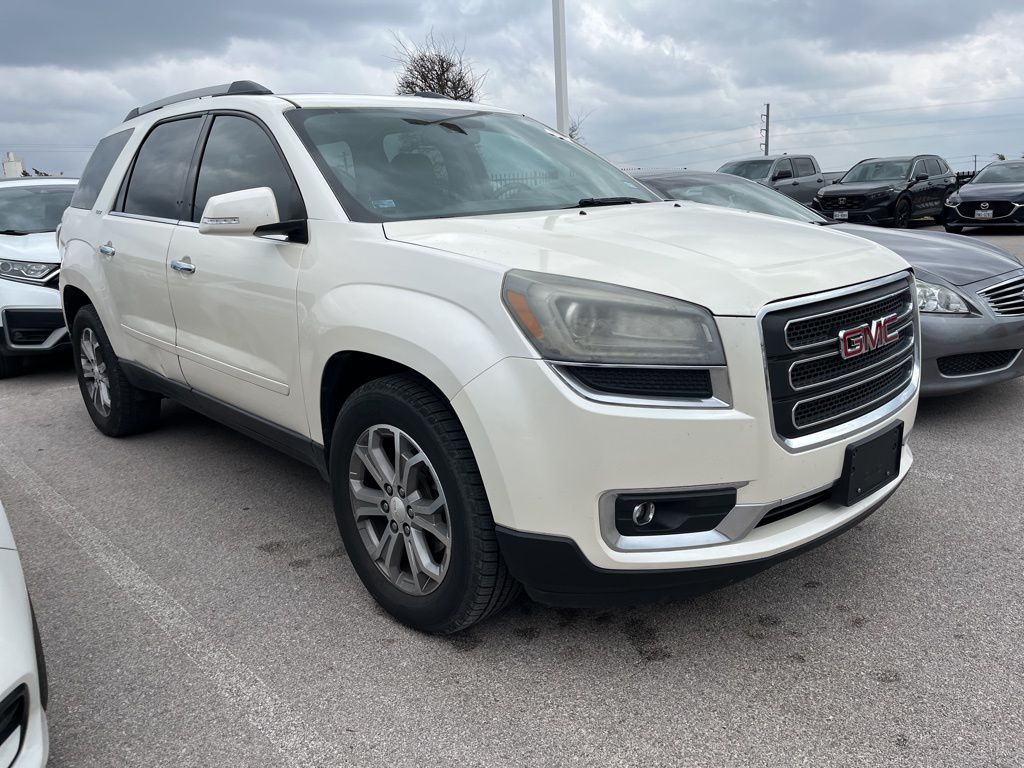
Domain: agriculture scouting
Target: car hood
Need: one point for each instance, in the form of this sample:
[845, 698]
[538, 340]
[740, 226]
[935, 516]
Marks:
[41, 246]
[957, 259]
[729, 261]
[858, 188]
[992, 192]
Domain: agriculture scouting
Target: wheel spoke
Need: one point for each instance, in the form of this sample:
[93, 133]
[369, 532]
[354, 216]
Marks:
[426, 508]
[370, 461]
[104, 395]
[420, 559]
[407, 465]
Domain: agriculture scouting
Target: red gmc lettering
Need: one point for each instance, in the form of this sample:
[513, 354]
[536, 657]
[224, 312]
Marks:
[864, 338]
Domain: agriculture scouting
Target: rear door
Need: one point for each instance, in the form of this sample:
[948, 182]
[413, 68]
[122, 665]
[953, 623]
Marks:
[807, 180]
[138, 232]
[237, 325]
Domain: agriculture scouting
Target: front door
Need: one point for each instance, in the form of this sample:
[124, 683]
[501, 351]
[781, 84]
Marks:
[235, 301]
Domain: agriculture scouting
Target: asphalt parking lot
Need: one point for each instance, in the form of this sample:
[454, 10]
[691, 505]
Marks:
[197, 609]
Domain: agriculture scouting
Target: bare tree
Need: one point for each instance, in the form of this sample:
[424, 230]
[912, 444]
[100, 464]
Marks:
[575, 131]
[438, 66]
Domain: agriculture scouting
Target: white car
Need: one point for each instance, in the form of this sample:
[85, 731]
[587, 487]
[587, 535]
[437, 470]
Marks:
[31, 322]
[23, 735]
[515, 364]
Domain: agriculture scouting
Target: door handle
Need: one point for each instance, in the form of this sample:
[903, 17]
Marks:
[107, 250]
[183, 266]
[796, 183]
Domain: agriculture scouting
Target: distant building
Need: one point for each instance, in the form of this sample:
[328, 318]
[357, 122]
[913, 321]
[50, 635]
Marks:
[12, 165]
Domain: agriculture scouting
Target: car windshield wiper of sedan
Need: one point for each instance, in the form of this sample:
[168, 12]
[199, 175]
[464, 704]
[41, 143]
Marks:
[12, 232]
[590, 202]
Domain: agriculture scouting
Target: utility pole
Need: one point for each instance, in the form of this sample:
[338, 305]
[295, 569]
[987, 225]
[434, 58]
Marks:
[975, 164]
[766, 116]
[561, 80]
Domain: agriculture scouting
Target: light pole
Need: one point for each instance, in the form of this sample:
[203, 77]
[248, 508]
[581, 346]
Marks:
[561, 82]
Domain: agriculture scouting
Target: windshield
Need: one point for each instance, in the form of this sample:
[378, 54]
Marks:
[733, 193]
[33, 208]
[878, 170]
[1010, 173]
[397, 164]
[748, 169]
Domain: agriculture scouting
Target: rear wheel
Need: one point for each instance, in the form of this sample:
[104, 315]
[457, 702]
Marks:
[902, 214]
[9, 366]
[117, 407]
[412, 510]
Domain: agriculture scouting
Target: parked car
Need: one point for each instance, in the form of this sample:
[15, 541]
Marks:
[993, 198]
[515, 364]
[31, 322]
[970, 293]
[889, 191]
[796, 176]
[24, 742]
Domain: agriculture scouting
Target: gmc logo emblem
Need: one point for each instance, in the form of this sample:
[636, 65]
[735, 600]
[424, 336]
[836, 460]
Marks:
[864, 338]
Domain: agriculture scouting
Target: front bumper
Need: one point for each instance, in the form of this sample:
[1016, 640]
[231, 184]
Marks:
[954, 218]
[18, 664]
[548, 456]
[880, 213]
[949, 336]
[31, 321]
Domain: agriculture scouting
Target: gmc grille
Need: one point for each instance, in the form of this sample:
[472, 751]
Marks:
[1006, 298]
[812, 386]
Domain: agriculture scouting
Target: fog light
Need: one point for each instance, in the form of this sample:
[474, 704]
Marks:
[643, 514]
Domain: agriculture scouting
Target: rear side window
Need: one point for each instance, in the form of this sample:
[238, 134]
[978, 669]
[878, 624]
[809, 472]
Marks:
[98, 168]
[157, 183]
[804, 166]
[240, 155]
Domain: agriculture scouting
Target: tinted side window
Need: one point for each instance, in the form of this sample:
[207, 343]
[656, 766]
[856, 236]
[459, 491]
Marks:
[783, 165]
[804, 166]
[98, 168]
[157, 183]
[240, 155]
[933, 167]
[921, 166]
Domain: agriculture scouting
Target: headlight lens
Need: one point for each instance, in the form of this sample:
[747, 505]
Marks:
[881, 195]
[581, 321]
[953, 199]
[938, 298]
[26, 270]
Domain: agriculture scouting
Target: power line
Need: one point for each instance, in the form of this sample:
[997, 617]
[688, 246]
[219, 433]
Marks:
[899, 109]
[915, 138]
[691, 149]
[676, 141]
[898, 125]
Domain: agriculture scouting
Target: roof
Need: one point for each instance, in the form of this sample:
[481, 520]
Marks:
[40, 180]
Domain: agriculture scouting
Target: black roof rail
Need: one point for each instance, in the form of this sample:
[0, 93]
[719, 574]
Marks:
[237, 88]
[430, 95]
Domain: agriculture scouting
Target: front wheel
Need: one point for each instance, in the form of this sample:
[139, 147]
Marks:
[116, 406]
[953, 230]
[902, 214]
[411, 508]
[8, 366]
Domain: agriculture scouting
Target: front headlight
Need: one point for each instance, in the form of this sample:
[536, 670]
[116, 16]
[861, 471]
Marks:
[953, 199]
[938, 298]
[885, 193]
[581, 321]
[26, 270]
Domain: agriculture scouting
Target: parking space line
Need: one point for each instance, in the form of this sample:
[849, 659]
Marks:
[298, 742]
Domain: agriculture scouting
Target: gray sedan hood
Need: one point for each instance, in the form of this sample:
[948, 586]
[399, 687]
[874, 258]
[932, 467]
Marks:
[957, 259]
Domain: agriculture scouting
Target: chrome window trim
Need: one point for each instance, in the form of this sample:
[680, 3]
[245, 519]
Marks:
[825, 382]
[866, 421]
[1006, 367]
[721, 391]
[902, 316]
[141, 217]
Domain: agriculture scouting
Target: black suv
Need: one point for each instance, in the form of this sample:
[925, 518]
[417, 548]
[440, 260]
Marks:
[889, 190]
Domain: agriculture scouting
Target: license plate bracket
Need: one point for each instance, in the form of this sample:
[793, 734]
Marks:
[841, 215]
[869, 464]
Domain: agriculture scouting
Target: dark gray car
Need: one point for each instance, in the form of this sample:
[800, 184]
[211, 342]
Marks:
[970, 293]
[795, 176]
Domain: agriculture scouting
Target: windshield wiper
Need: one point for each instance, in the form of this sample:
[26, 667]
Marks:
[12, 232]
[589, 202]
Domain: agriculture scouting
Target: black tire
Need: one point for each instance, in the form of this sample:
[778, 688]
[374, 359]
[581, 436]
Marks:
[902, 213]
[953, 230]
[9, 366]
[130, 410]
[476, 583]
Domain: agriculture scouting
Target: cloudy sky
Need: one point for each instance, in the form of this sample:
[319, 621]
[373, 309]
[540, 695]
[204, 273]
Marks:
[664, 83]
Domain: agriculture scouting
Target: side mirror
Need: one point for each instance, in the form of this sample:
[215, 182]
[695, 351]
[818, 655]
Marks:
[836, 181]
[921, 177]
[780, 175]
[239, 213]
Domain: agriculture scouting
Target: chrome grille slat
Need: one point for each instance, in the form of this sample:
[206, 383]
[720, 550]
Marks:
[906, 370]
[903, 310]
[1005, 298]
[904, 346]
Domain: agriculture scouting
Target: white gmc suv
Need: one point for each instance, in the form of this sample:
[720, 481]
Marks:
[515, 364]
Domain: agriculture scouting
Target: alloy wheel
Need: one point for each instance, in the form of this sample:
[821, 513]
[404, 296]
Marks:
[400, 509]
[94, 371]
